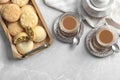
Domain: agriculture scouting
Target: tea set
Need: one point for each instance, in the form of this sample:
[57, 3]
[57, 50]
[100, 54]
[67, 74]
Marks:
[102, 40]
[72, 39]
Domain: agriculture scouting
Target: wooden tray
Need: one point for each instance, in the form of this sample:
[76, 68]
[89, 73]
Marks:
[38, 46]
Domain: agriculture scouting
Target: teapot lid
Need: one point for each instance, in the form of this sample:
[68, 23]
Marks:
[100, 3]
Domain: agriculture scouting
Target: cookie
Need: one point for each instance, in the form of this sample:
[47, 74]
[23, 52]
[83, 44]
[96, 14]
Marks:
[15, 28]
[4, 1]
[27, 8]
[11, 12]
[25, 47]
[15, 53]
[30, 33]
[40, 34]
[29, 19]
[21, 37]
[20, 2]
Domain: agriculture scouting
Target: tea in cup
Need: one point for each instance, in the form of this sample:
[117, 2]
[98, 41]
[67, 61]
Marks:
[105, 38]
[69, 25]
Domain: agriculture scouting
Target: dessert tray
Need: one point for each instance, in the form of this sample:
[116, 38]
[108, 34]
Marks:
[37, 45]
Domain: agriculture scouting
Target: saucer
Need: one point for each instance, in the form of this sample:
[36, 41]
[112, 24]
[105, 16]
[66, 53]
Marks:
[92, 21]
[62, 38]
[93, 51]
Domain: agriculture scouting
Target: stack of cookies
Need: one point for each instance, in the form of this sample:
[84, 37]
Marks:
[22, 23]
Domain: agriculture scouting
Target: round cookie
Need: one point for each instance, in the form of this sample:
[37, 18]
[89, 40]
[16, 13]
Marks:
[25, 47]
[4, 1]
[29, 19]
[21, 37]
[20, 2]
[11, 12]
[27, 8]
[40, 34]
[15, 28]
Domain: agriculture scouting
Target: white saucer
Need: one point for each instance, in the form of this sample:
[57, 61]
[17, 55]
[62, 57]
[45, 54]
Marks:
[92, 21]
[63, 38]
[92, 50]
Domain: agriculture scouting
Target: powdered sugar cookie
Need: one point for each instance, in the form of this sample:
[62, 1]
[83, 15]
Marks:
[11, 12]
[27, 8]
[40, 34]
[25, 47]
[29, 19]
[20, 2]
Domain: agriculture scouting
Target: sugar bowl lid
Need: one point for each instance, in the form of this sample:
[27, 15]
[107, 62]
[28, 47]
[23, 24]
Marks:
[100, 3]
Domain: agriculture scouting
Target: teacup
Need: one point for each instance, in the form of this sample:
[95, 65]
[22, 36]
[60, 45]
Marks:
[105, 38]
[68, 25]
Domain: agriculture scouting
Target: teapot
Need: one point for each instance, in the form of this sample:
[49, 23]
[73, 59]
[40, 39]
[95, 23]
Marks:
[97, 8]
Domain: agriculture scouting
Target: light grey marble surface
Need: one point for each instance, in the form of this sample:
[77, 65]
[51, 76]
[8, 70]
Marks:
[59, 62]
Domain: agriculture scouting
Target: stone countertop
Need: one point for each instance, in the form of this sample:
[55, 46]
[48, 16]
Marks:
[58, 62]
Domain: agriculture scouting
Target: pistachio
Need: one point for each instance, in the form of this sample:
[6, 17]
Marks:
[30, 32]
[22, 37]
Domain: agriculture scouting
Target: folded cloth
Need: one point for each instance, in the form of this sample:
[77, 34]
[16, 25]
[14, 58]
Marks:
[62, 5]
